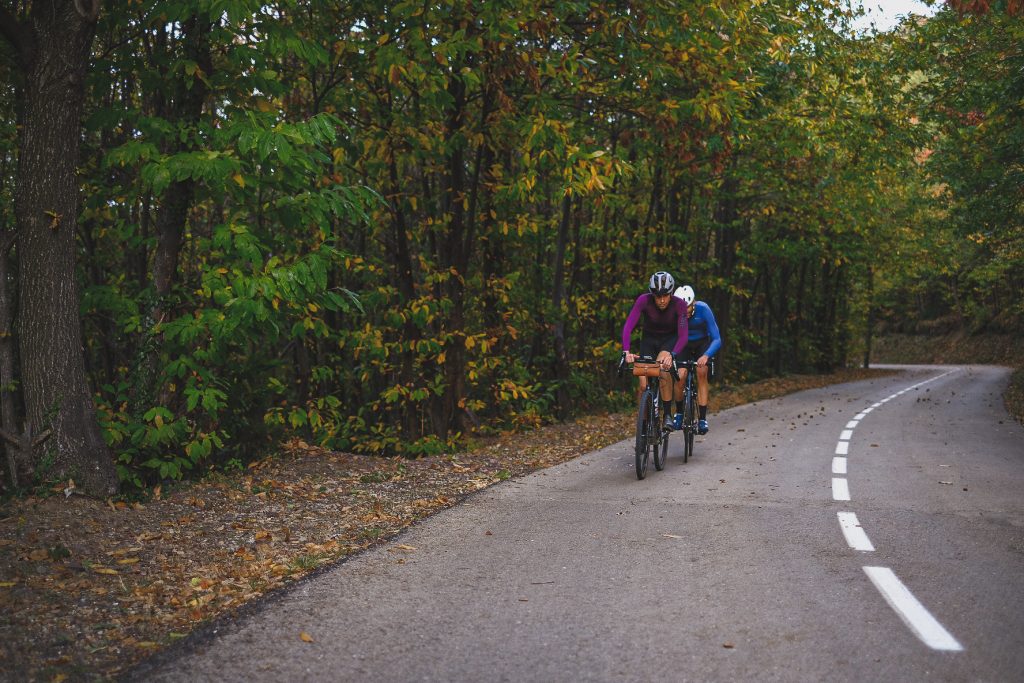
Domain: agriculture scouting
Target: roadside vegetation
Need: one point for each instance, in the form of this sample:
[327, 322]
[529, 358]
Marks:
[382, 228]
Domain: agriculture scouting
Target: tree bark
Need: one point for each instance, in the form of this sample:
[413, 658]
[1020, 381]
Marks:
[54, 56]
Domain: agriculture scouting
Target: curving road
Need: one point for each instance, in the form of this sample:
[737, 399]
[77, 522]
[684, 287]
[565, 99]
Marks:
[865, 531]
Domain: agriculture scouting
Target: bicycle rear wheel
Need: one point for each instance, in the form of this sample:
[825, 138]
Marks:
[644, 418]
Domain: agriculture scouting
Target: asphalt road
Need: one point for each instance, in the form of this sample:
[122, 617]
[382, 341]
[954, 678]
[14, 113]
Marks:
[734, 566]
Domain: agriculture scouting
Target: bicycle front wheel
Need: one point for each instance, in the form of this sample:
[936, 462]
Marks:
[660, 447]
[689, 426]
[644, 419]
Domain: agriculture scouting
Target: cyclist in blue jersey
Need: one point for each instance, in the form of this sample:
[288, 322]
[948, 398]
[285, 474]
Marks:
[704, 342]
[664, 332]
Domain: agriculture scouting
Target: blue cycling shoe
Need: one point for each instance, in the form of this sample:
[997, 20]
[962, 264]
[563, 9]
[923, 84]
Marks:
[702, 427]
[677, 421]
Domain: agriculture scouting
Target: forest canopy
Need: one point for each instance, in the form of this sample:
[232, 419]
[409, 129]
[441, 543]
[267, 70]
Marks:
[379, 226]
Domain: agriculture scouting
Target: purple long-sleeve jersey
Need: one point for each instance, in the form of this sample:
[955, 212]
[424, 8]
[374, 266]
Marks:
[658, 322]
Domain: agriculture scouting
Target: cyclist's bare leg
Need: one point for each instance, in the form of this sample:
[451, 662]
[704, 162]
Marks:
[666, 377]
[702, 386]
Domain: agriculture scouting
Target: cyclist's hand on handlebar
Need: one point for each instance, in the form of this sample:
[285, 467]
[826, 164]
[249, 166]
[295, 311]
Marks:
[702, 361]
[630, 357]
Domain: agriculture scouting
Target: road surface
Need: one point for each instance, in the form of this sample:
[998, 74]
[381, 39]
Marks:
[865, 531]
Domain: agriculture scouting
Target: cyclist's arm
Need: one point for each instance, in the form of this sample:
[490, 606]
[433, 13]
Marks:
[683, 328]
[713, 334]
[631, 321]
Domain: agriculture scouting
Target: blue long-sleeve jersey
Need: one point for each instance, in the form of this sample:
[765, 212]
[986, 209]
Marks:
[702, 326]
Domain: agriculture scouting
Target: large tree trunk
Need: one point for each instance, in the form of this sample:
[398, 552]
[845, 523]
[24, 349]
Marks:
[53, 48]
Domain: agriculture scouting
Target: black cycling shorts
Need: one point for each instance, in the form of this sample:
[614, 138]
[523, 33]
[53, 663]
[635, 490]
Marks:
[653, 344]
[695, 349]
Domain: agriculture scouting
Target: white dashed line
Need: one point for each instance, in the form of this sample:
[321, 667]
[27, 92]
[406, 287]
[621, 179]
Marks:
[855, 536]
[912, 612]
[840, 489]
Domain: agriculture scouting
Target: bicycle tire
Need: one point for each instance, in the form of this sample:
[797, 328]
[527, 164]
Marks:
[643, 419]
[688, 425]
[661, 451]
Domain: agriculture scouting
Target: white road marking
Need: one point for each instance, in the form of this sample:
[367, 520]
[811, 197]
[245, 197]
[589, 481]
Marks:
[842, 448]
[911, 611]
[838, 465]
[853, 423]
[855, 536]
[846, 435]
[840, 489]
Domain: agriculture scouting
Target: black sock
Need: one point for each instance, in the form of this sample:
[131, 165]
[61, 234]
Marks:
[703, 412]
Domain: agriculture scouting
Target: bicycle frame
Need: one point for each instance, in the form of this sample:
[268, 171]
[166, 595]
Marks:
[689, 428]
[651, 436]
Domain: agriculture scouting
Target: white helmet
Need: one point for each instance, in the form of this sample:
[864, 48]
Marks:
[686, 294]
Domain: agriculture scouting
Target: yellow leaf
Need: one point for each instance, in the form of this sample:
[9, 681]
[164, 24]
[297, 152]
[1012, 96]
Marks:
[305, 637]
[8, 584]
[128, 560]
[239, 179]
[105, 570]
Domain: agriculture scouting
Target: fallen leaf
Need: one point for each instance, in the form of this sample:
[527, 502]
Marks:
[728, 646]
[945, 482]
[38, 555]
[305, 637]
[105, 570]
[671, 536]
[128, 560]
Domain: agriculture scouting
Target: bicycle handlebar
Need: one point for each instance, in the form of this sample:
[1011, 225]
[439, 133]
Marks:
[645, 361]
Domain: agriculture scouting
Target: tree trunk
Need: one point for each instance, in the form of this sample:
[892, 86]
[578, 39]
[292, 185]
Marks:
[54, 51]
[557, 299]
[8, 403]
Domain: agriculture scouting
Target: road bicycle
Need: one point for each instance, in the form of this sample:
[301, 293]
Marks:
[651, 434]
[690, 415]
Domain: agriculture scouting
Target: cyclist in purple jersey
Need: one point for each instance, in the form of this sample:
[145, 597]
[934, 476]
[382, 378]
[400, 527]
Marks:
[664, 330]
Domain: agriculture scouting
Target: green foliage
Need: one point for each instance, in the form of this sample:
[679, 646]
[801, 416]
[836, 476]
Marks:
[380, 217]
